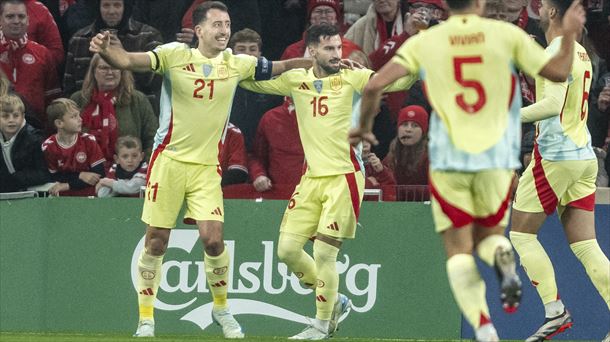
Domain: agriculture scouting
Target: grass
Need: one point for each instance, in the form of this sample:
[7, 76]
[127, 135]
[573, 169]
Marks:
[52, 337]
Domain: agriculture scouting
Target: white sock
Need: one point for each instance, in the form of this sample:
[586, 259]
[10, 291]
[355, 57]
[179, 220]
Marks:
[554, 308]
[322, 324]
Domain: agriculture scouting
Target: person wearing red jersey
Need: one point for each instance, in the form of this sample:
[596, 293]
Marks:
[321, 12]
[43, 29]
[74, 159]
[29, 66]
[233, 160]
[277, 159]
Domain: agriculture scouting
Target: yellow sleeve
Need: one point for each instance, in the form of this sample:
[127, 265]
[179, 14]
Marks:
[276, 86]
[528, 55]
[402, 83]
[405, 55]
[162, 56]
[359, 77]
[246, 66]
[550, 105]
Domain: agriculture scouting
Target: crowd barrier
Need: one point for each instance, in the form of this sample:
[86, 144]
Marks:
[67, 265]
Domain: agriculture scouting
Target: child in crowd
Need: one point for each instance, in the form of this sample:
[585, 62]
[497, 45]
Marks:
[22, 164]
[128, 173]
[74, 159]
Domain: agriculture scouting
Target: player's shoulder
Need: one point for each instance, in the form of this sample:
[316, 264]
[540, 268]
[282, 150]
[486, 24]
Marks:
[173, 48]
[228, 56]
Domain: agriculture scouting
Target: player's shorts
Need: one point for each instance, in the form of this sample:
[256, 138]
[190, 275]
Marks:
[171, 182]
[546, 185]
[462, 198]
[327, 205]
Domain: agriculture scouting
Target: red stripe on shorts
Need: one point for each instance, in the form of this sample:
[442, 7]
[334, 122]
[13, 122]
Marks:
[353, 191]
[546, 195]
[458, 217]
[513, 87]
[493, 219]
[586, 203]
[352, 155]
[161, 147]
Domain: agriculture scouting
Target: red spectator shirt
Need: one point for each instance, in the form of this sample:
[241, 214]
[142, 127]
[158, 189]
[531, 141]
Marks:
[277, 152]
[297, 50]
[233, 150]
[30, 68]
[43, 30]
[83, 155]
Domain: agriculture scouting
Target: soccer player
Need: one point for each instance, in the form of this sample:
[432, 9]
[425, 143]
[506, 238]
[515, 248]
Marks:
[560, 176]
[197, 93]
[469, 66]
[326, 203]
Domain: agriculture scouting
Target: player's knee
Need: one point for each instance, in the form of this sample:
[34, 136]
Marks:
[287, 251]
[213, 247]
[157, 246]
[324, 252]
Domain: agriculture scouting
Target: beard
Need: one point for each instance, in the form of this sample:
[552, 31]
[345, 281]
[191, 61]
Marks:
[329, 69]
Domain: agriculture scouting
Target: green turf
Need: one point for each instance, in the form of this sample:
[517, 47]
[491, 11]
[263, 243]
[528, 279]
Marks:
[48, 337]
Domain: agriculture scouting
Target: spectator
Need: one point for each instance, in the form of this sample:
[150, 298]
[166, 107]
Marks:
[378, 175]
[128, 173]
[248, 107]
[599, 125]
[233, 160]
[516, 12]
[113, 15]
[113, 108]
[73, 158]
[43, 30]
[277, 159]
[80, 14]
[321, 12]
[382, 20]
[408, 156]
[57, 9]
[22, 164]
[28, 65]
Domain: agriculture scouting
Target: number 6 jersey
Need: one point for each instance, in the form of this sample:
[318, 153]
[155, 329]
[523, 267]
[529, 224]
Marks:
[469, 66]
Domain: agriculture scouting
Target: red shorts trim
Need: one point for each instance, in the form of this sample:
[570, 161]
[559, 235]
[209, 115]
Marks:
[458, 217]
[586, 203]
[546, 195]
[493, 219]
[353, 191]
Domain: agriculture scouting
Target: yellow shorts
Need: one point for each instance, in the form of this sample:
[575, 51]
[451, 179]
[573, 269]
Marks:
[327, 205]
[545, 185]
[170, 182]
[462, 198]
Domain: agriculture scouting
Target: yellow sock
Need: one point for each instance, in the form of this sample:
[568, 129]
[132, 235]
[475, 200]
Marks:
[468, 288]
[325, 257]
[486, 249]
[537, 265]
[149, 278]
[596, 264]
[290, 251]
[217, 273]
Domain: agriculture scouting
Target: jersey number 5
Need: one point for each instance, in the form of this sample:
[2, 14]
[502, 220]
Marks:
[470, 108]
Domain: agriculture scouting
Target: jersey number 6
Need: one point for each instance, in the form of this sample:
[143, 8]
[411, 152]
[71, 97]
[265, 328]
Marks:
[470, 108]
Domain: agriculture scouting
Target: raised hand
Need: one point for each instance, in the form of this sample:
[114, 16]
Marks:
[100, 42]
[574, 19]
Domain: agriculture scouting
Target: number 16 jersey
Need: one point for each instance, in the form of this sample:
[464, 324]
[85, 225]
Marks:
[469, 67]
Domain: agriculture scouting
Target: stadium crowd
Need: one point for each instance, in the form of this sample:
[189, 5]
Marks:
[98, 142]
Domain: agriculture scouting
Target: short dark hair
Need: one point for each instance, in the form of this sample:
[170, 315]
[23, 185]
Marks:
[561, 6]
[246, 36]
[200, 13]
[14, 2]
[127, 141]
[315, 32]
[459, 4]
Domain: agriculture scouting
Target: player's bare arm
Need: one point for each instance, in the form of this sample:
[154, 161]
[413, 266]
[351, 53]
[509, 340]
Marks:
[558, 68]
[289, 64]
[116, 56]
[371, 97]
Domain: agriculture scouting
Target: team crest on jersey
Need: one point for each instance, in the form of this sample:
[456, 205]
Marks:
[207, 70]
[318, 85]
[81, 157]
[223, 71]
[28, 59]
[335, 82]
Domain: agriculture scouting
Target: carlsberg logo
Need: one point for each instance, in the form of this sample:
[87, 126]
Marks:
[261, 274]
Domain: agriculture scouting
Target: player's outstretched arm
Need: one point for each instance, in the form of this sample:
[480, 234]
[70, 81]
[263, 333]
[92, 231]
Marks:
[371, 97]
[116, 56]
[550, 105]
[573, 22]
[289, 64]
